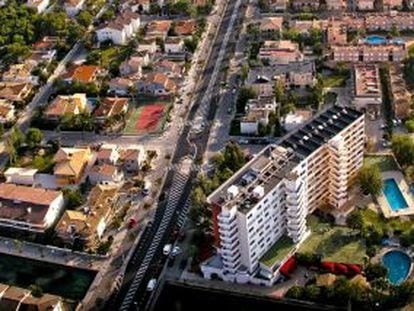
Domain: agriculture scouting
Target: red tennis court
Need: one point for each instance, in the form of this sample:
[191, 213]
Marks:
[150, 117]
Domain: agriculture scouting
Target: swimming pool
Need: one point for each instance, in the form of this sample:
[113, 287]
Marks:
[393, 194]
[398, 265]
[375, 40]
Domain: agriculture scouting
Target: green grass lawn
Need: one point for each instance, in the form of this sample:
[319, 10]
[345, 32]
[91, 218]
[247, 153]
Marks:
[337, 244]
[278, 251]
[130, 127]
[385, 163]
[371, 218]
[334, 80]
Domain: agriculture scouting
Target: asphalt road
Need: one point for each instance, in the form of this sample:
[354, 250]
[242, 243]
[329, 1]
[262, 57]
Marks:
[189, 145]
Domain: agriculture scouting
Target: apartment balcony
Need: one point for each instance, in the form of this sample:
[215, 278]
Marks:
[296, 211]
[227, 226]
[228, 241]
[225, 217]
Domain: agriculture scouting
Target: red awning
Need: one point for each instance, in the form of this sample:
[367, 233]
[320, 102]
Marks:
[289, 266]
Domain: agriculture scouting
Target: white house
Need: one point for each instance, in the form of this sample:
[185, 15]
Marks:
[39, 5]
[174, 45]
[20, 175]
[28, 208]
[132, 158]
[73, 7]
[120, 30]
[108, 154]
[257, 112]
[105, 174]
[7, 111]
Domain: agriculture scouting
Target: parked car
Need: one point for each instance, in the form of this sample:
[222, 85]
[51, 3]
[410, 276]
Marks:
[176, 251]
[167, 249]
[151, 285]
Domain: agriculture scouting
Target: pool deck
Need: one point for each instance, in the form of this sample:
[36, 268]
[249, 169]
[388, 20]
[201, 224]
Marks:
[402, 184]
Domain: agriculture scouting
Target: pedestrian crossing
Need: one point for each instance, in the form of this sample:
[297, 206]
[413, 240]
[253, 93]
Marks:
[175, 193]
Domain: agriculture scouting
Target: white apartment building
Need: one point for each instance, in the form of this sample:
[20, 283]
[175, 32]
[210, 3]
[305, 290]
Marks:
[263, 207]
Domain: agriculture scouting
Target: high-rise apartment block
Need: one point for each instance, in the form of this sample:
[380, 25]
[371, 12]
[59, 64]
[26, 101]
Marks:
[259, 214]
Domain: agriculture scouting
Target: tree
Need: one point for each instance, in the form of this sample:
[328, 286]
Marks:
[245, 93]
[34, 137]
[73, 198]
[295, 292]
[403, 148]
[370, 180]
[409, 125]
[312, 292]
[375, 271]
[355, 220]
[36, 290]
[84, 18]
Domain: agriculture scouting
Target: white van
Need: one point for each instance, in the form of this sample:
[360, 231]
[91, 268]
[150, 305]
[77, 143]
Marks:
[167, 249]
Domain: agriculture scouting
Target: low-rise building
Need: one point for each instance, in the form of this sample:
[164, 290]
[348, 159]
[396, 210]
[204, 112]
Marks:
[73, 7]
[185, 27]
[336, 33]
[28, 208]
[108, 154]
[15, 91]
[106, 174]
[82, 74]
[392, 4]
[367, 93]
[365, 5]
[305, 4]
[20, 73]
[132, 159]
[39, 5]
[88, 224]
[271, 27]
[280, 52]
[20, 175]
[66, 105]
[7, 111]
[133, 65]
[19, 299]
[335, 5]
[110, 107]
[120, 30]
[157, 29]
[157, 84]
[70, 165]
[121, 86]
[369, 53]
[401, 97]
[257, 114]
[174, 45]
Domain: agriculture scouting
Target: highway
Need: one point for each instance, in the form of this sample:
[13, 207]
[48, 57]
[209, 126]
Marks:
[147, 260]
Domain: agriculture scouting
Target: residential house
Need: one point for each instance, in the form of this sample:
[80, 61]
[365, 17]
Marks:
[365, 5]
[277, 5]
[70, 165]
[121, 86]
[336, 5]
[20, 175]
[15, 91]
[28, 208]
[157, 84]
[185, 27]
[401, 97]
[110, 107]
[257, 113]
[139, 6]
[39, 5]
[173, 45]
[132, 158]
[305, 4]
[295, 74]
[21, 73]
[44, 51]
[147, 45]
[19, 299]
[82, 74]
[157, 29]
[271, 27]
[133, 65]
[392, 4]
[282, 52]
[120, 30]
[66, 105]
[172, 69]
[88, 224]
[73, 7]
[7, 111]
[108, 154]
[105, 174]
[336, 33]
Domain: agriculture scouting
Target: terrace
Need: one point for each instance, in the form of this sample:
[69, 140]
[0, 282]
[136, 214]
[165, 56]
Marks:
[278, 252]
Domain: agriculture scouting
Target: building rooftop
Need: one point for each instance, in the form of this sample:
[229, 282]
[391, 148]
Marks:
[319, 130]
[367, 81]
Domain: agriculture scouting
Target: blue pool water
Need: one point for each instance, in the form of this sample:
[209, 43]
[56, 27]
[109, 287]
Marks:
[375, 40]
[393, 194]
[398, 265]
